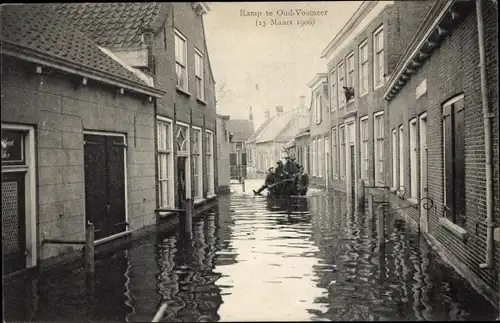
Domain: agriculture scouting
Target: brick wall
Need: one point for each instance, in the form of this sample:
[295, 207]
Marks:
[183, 18]
[453, 69]
[60, 113]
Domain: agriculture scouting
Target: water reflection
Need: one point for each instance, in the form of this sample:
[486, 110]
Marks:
[247, 261]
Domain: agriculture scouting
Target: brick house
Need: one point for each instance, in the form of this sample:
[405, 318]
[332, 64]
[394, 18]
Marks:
[240, 131]
[77, 141]
[359, 58]
[167, 42]
[439, 142]
[319, 129]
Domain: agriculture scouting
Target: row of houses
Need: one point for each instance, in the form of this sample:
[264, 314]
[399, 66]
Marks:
[108, 116]
[408, 102]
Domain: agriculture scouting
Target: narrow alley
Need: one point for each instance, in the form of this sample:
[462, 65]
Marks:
[248, 262]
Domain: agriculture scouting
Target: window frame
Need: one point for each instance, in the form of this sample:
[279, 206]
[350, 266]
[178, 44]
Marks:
[363, 66]
[376, 54]
[209, 155]
[401, 145]
[184, 65]
[364, 140]
[168, 152]
[378, 137]
[198, 176]
[340, 83]
[342, 144]
[351, 73]
[334, 153]
[199, 78]
[412, 127]
[395, 164]
[333, 90]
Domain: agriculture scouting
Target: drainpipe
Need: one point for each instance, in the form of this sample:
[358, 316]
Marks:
[487, 140]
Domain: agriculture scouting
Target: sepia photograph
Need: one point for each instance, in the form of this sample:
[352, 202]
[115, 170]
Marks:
[250, 161]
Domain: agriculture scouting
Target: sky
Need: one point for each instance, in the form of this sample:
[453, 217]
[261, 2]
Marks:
[263, 67]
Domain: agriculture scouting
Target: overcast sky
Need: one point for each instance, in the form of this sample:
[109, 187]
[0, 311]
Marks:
[267, 66]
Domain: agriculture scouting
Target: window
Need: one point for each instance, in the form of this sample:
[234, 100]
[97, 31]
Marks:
[183, 149]
[364, 148]
[318, 107]
[363, 68]
[350, 72]
[342, 151]
[334, 153]
[314, 157]
[333, 95]
[327, 156]
[308, 159]
[239, 145]
[401, 157]
[165, 163]
[413, 159]
[379, 147]
[454, 160]
[321, 157]
[394, 158]
[181, 61]
[378, 57]
[198, 66]
[209, 139]
[341, 83]
[197, 166]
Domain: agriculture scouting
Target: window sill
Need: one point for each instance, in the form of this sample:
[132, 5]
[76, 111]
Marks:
[378, 86]
[201, 101]
[456, 230]
[211, 196]
[350, 102]
[183, 92]
[363, 94]
[393, 190]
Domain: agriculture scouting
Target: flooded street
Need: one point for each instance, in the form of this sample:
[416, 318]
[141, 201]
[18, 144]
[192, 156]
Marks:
[248, 262]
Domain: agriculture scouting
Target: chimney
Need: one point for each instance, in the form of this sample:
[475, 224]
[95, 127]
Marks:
[267, 115]
[279, 110]
[250, 114]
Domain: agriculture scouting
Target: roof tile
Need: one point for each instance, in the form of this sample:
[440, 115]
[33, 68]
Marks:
[113, 24]
[37, 27]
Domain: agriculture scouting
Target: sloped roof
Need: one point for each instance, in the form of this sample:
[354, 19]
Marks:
[277, 125]
[35, 33]
[114, 24]
[259, 130]
[242, 129]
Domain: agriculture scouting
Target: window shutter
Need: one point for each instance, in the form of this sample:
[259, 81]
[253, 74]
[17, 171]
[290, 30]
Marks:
[459, 160]
[448, 160]
[243, 159]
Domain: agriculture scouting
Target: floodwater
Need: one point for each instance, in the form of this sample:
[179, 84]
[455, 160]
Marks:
[247, 262]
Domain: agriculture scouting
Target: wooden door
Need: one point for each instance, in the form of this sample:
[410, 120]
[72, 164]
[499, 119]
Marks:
[181, 180]
[13, 222]
[105, 184]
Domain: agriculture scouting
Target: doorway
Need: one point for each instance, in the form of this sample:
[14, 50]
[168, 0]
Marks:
[105, 194]
[182, 178]
[423, 172]
[352, 174]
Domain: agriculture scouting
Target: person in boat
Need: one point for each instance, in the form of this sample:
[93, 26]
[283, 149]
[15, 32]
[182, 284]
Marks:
[279, 171]
[270, 178]
[291, 167]
[301, 181]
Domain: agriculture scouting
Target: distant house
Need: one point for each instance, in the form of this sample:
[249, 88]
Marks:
[255, 160]
[77, 140]
[239, 132]
[166, 41]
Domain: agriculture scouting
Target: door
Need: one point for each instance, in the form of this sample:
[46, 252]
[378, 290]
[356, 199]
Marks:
[13, 222]
[181, 182]
[423, 173]
[352, 174]
[105, 184]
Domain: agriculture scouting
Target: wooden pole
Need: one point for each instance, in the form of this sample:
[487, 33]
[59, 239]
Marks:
[188, 218]
[89, 248]
[361, 196]
[380, 223]
[370, 206]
